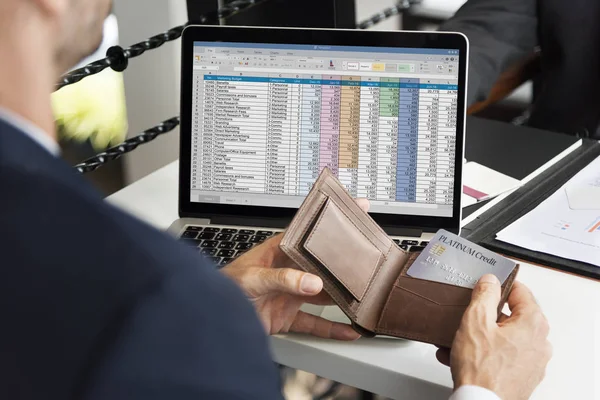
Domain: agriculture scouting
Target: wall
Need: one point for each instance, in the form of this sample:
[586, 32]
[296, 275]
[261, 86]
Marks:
[152, 80]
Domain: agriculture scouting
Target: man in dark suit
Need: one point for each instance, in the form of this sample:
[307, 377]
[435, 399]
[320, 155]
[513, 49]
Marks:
[504, 32]
[97, 305]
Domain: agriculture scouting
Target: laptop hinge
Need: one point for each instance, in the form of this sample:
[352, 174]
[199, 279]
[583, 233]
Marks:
[400, 231]
[280, 223]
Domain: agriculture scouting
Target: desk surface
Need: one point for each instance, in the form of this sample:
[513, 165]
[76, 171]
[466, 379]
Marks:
[402, 369]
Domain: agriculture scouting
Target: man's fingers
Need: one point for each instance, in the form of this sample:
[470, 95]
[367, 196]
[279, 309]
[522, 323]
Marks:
[364, 204]
[521, 299]
[503, 317]
[485, 299]
[320, 327]
[443, 356]
[287, 280]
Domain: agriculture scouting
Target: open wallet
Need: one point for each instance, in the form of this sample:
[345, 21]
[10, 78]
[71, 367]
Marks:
[364, 271]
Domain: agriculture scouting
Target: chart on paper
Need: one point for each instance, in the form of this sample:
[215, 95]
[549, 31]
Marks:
[557, 227]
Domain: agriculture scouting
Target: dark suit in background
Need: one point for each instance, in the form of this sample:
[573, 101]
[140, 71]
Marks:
[96, 305]
[502, 32]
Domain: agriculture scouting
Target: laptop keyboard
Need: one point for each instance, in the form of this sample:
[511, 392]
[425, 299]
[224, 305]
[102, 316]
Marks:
[223, 245]
[412, 246]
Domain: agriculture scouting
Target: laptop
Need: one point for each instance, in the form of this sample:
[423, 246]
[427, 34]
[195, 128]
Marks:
[264, 110]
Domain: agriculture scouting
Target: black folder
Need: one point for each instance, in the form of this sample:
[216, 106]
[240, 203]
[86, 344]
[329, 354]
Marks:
[513, 150]
[484, 228]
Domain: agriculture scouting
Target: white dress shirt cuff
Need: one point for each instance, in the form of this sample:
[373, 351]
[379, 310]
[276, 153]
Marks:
[473, 393]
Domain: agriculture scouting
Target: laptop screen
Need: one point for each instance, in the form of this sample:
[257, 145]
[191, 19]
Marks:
[267, 118]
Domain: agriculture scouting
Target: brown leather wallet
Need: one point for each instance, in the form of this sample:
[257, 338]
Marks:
[364, 271]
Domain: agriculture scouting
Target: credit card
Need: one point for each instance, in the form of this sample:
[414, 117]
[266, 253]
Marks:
[451, 259]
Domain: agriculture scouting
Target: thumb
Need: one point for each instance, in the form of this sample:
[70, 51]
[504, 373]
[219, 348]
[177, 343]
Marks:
[363, 203]
[288, 280]
[485, 299]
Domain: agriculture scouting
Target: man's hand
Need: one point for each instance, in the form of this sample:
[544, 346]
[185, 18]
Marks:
[278, 289]
[507, 357]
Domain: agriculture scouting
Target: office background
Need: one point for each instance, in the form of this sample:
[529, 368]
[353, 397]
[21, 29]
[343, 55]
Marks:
[149, 104]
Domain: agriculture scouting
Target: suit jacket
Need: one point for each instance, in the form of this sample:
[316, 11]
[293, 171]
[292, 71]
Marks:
[501, 32]
[96, 305]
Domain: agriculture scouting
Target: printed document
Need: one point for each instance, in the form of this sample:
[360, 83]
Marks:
[567, 224]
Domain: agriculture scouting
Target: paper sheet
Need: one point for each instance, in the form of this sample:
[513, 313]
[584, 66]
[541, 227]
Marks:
[484, 183]
[467, 200]
[481, 183]
[567, 224]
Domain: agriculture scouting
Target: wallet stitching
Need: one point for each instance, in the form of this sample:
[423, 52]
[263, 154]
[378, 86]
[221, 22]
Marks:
[377, 264]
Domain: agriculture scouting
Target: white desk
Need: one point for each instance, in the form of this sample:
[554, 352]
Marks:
[408, 370]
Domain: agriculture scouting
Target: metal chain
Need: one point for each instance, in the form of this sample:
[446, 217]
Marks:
[92, 164]
[400, 6]
[118, 60]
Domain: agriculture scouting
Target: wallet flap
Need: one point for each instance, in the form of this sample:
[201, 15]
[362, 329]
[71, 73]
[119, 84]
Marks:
[338, 244]
[333, 238]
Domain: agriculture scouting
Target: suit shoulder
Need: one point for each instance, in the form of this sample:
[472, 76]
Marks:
[203, 345]
[74, 256]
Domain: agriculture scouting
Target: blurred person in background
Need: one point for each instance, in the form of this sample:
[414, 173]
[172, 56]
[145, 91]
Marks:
[567, 34]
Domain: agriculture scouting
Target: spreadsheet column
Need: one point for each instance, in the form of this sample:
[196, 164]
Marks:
[408, 136]
[387, 141]
[427, 144]
[197, 126]
[310, 133]
[367, 147]
[278, 136]
[369, 119]
[240, 139]
[331, 90]
[295, 124]
[446, 149]
[387, 126]
[205, 173]
[349, 134]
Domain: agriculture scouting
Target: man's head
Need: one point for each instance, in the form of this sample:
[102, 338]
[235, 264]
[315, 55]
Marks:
[39, 41]
[71, 29]
[80, 24]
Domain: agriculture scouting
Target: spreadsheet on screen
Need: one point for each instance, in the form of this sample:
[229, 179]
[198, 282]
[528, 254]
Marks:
[267, 118]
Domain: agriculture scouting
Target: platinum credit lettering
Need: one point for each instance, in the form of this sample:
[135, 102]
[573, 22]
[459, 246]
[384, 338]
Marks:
[455, 261]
